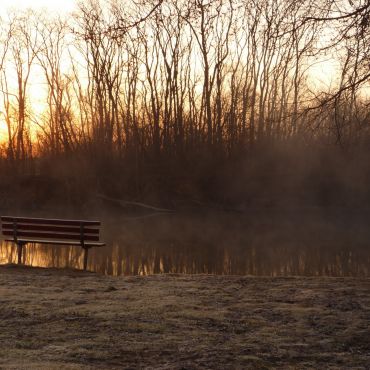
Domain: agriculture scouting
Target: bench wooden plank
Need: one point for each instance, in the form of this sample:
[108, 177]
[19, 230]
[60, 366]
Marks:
[57, 242]
[58, 229]
[47, 235]
[49, 221]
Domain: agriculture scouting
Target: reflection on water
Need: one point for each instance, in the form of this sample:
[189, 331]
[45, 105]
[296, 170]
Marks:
[214, 245]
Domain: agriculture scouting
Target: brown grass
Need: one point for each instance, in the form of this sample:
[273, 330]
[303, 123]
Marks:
[63, 319]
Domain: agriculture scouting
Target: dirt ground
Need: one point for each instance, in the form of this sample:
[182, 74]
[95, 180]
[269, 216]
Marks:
[63, 319]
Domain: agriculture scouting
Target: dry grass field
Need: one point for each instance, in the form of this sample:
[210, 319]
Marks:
[64, 319]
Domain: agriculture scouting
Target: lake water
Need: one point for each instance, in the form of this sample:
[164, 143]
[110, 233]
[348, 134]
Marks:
[262, 244]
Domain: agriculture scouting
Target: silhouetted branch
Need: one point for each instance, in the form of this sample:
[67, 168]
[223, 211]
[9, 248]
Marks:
[124, 203]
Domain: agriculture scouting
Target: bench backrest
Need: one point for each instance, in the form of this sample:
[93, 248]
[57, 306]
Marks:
[46, 228]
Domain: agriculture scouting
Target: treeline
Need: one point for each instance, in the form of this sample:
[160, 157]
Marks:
[146, 90]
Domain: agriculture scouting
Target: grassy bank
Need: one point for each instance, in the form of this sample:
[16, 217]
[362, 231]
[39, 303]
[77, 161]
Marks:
[55, 319]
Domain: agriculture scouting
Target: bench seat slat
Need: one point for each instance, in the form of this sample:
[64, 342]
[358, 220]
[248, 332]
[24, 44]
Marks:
[49, 221]
[36, 234]
[59, 242]
[48, 228]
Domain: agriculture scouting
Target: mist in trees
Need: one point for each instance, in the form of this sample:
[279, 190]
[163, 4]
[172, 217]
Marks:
[208, 102]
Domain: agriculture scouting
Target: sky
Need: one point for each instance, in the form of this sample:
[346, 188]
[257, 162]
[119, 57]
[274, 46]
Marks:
[53, 6]
[60, 6]
[323, 72]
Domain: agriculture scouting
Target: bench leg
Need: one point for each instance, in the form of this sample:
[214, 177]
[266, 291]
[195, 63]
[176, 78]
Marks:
[20, 249]
[86, 253]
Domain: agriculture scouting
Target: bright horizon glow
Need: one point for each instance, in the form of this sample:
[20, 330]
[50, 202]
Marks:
[3, 129]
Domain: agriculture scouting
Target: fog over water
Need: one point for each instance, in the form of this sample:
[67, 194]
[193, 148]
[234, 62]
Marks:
[309, 243]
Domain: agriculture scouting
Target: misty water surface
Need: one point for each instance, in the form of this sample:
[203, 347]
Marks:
[333, 243]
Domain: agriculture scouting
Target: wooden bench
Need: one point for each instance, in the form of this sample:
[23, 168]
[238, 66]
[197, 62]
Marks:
[25, 230]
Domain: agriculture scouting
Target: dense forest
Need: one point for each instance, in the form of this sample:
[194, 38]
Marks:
[201, 103]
